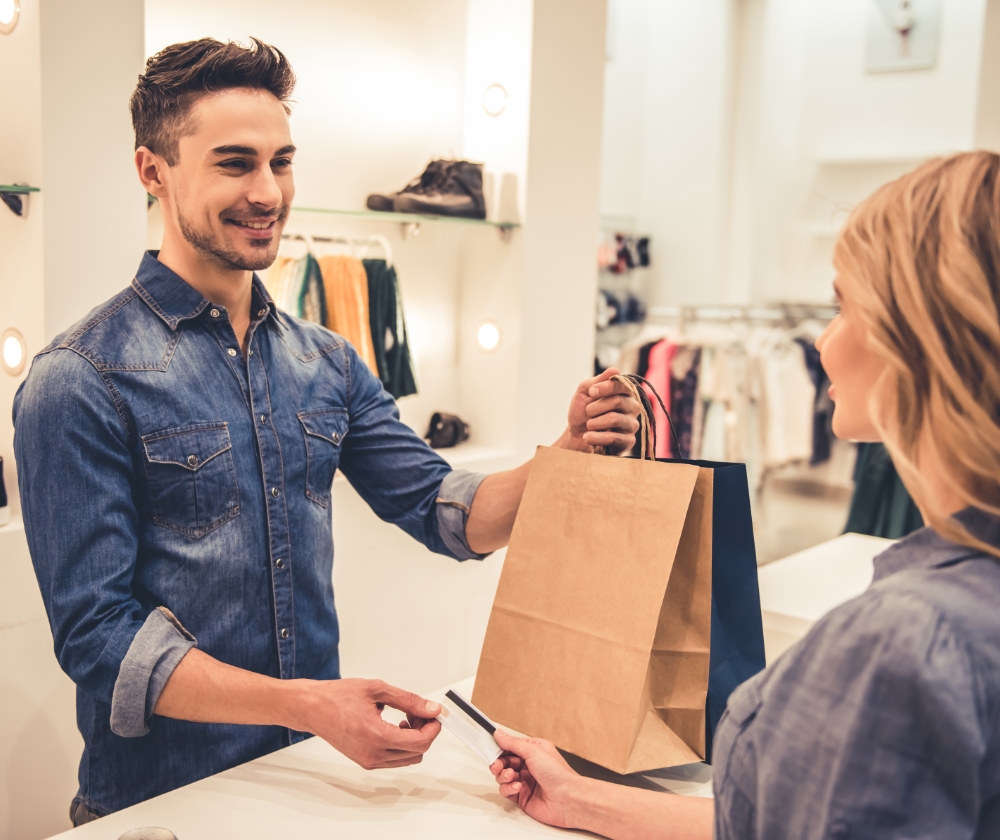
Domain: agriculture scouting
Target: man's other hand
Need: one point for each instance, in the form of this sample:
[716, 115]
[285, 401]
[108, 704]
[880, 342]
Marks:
[602, 413]
[348, 714]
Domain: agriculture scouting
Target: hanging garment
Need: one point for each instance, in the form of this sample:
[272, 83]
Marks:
[346, 284]
[822, 437]
[785, 395]
[388, 329]
[881, 505]
[277, 281]
[312, 294]
[684, 370]
[661, 355]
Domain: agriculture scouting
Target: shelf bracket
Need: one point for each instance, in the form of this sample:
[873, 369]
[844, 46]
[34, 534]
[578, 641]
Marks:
[505, 232]
[409, 230]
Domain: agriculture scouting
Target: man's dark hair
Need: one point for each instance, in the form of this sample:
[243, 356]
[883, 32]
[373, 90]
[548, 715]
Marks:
[176, 76]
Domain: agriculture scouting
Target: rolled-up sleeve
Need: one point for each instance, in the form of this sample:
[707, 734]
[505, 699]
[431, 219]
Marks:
[156, 650]
[400, 477]
[454, 502]
[77, 488]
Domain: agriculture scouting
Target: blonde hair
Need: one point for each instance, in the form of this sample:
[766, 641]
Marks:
[920, 257]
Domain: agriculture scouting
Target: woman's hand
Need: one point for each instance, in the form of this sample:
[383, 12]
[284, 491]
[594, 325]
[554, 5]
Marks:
[532, 774]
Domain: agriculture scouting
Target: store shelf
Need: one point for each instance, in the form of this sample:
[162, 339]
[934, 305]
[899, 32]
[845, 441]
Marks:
[406, 218]
[18, 189]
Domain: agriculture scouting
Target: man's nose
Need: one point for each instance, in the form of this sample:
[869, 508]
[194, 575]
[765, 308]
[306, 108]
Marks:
[265, 190]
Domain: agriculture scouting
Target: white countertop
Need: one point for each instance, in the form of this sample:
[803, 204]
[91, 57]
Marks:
[310, 791]
[798, 590]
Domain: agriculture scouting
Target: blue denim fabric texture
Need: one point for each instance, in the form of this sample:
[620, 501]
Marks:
[176, 491]
[884, 721]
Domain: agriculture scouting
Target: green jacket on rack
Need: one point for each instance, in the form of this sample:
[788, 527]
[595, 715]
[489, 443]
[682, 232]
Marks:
[385, 312]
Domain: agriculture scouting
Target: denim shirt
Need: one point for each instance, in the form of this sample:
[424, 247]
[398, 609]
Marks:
[884, 721]
[176, 493]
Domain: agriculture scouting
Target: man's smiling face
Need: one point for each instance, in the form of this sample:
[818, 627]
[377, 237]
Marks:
[232, 186]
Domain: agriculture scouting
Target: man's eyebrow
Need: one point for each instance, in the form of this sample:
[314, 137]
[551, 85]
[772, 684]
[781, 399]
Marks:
[235, 149]
[250, 151]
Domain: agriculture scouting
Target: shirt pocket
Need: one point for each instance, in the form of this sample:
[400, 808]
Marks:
[323, 430]
[192, 478]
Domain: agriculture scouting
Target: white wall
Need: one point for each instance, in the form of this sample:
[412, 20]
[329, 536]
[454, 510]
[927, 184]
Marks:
[666, 124]
[767, 148]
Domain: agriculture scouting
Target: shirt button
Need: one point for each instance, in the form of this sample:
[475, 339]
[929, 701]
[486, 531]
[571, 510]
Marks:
[251, 354]
[274, 492]
[262, 312]
[263, 419]
[336, 438]
[231, 351]
[192, 460]
[214, 313]
[279, 563]
[284, 633]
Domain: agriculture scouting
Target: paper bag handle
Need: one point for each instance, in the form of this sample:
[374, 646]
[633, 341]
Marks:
[647, 424]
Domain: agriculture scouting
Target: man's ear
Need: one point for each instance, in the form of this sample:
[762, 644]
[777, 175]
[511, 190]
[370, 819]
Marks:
[152, 170]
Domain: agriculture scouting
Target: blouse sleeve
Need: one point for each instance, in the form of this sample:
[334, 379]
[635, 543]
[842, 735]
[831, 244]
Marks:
[873, 726]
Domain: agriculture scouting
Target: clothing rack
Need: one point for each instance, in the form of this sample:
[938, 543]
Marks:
[776, 313]
[364, 241]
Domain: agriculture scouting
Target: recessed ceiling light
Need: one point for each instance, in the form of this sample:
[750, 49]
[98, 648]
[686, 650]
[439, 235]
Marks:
[495, 100]
[10, 12]
[13, 351]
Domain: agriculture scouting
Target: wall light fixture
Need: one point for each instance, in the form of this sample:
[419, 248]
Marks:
[488, 336]
[10, 13]
[13, 351]
[495, 100]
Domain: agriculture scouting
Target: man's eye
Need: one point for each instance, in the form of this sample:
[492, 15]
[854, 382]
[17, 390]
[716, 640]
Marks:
[281, 163]
[234, 164]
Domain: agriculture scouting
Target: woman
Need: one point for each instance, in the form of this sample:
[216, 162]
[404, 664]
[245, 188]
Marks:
[884, 721]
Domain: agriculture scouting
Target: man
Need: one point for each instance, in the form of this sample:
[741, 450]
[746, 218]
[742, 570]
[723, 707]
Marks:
[177, 450]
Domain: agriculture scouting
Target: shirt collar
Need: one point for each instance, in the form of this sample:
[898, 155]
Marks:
[927, 549]
[174, 300]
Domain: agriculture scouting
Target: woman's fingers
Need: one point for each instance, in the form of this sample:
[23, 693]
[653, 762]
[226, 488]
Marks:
[511, 791]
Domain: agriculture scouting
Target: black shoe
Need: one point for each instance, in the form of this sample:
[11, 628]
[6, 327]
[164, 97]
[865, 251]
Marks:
[446, 188]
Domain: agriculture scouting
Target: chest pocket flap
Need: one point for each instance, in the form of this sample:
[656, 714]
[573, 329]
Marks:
[191, 478]
[323, 430]
[191, 447]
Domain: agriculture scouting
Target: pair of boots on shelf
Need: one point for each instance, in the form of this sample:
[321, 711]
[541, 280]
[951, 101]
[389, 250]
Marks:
[446, 188]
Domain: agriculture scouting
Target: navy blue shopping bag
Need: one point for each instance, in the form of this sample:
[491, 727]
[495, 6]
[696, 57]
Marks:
[737, 641]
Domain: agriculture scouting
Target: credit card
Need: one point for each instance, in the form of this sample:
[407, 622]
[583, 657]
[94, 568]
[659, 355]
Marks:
[470, 726]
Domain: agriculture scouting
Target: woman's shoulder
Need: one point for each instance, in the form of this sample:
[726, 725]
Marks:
[915, 635]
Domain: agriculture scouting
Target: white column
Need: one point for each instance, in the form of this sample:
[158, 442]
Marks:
[561, 212]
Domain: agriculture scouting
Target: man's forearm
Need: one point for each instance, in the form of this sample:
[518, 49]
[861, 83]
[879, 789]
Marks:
[494, 509]
[205, 690]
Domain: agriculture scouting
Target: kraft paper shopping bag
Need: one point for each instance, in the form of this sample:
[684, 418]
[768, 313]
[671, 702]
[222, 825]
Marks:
[599, 638]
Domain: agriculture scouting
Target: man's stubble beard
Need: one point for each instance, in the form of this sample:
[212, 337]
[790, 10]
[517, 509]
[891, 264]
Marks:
[229, 258]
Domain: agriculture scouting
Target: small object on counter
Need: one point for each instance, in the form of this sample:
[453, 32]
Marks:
[4, 509]
[470, 726]
[446, 430]
[149, 833]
